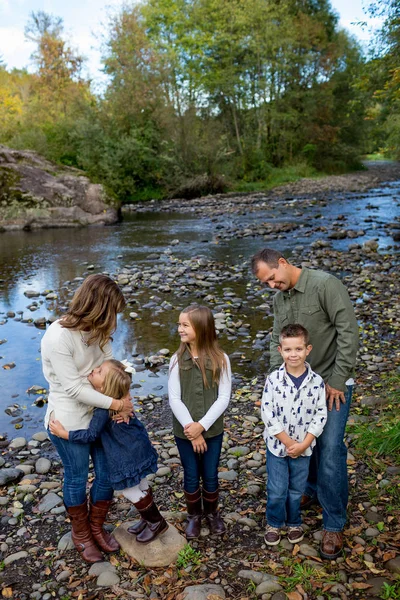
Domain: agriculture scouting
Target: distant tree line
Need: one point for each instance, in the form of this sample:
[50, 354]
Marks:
[227, 89]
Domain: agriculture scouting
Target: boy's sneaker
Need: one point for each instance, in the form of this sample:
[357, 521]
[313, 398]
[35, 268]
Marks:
[272, 536]
[295, 535]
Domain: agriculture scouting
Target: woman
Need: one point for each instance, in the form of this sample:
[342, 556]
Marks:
[71, 348]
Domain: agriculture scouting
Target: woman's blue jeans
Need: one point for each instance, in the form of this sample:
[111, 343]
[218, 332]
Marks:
[287, 478]
[328, 468]
[75, 459]
[197, 465]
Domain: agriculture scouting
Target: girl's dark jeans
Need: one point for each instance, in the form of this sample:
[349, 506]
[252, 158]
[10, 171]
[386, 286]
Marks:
[198, 466]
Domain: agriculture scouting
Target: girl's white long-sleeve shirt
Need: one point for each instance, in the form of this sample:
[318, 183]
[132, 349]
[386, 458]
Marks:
[66, 363]
[294, 411]
[181, 411]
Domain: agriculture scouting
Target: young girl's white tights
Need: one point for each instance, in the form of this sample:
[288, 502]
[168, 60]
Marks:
[136, 493]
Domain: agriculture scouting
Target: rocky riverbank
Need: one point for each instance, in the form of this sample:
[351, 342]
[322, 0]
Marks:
[35, 551]
[37, 561]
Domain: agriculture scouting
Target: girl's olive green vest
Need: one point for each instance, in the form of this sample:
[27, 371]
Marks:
[196, 397]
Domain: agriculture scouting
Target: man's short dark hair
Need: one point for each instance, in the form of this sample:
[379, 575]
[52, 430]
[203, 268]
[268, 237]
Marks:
[295, 330]
[267, 255]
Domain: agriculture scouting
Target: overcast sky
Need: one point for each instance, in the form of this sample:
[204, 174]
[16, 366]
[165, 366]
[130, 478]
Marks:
[83, 20]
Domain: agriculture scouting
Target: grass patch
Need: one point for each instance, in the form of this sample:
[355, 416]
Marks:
[188, 556]
[310, 579]
[278, 177]
[382, 437]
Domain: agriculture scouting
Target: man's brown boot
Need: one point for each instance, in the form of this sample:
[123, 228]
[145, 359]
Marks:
[214, 519]
[81, 533]
[307, 502]
[97, 516]
[331, 544]
[193, 504]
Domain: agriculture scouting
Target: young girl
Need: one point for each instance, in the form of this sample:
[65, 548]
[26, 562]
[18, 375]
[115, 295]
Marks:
[129, 453]
[199, 389]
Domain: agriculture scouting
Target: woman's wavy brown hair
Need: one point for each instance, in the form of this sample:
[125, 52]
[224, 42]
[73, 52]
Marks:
[208, 350]
[94, 308]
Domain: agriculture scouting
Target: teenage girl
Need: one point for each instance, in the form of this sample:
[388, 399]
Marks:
[199, 389]
[129, 453]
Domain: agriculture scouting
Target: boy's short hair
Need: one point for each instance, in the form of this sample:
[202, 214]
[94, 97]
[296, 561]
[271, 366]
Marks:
[295, 330]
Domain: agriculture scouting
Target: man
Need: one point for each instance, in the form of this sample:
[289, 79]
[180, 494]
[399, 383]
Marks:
[319, 302]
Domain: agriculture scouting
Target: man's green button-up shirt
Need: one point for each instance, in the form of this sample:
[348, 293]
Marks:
[321, 303]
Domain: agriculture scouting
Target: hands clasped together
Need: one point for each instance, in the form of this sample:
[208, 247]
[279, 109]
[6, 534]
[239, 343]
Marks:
[193, 432]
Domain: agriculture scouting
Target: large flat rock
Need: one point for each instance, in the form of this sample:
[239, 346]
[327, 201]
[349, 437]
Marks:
[35, 193]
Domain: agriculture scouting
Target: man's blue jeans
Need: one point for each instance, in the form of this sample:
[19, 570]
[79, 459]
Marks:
[328, 468]
[197, 465]
[287, 478]
[75, 459]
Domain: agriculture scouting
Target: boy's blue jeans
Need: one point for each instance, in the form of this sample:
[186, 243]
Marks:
[287, 479]
[328, 468]
[75, 459]
[196, 465]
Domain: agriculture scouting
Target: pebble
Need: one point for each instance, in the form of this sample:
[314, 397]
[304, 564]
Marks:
[43, 465]
[14, 557]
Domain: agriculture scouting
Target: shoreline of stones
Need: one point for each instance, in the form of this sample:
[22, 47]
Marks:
[36, 547]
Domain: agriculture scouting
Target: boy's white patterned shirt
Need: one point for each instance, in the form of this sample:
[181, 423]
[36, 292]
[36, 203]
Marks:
[294, 411]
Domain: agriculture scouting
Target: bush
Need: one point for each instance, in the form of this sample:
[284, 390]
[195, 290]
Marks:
[202, 185]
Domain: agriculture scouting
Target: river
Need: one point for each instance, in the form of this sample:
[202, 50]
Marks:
[46, 260]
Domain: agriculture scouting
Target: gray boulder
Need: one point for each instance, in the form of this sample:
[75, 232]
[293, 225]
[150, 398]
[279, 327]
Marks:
[35, 193]
[160, 553]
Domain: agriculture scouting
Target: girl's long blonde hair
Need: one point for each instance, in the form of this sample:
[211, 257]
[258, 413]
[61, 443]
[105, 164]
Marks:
[94, 308]
[208, 350]
[117, 381]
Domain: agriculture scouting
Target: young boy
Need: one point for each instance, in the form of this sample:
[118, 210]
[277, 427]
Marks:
[293, 408]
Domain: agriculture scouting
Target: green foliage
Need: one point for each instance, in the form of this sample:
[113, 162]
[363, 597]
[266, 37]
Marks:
[191, 94]
[390, 592]
[307, 577]
[188, 556]
[382, 438]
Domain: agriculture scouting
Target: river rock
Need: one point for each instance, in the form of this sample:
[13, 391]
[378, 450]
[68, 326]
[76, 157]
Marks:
[268, 586]
[8, 475]
[107, 579]
[43, 465]
[159, 553]
[376, 584]
[66, 543]
[18, 443]
[228, 475]
[13, 557]
[51, 500]
[204, 592]
[44, 194]
[393, 565]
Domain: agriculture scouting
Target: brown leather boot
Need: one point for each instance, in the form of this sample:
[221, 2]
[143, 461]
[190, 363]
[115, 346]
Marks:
[81, 533]
[193, 503]
[214, 519]
[331, 544]
[155, 522]
[97, 516]
[140, 525]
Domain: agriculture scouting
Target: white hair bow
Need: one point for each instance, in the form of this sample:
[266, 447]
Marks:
[129, 368]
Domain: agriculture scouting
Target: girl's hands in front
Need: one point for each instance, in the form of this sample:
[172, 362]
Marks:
[199, 444]
[193, 430]
[57, 429]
